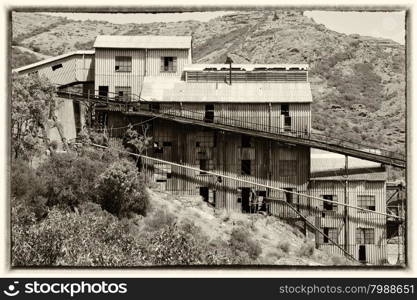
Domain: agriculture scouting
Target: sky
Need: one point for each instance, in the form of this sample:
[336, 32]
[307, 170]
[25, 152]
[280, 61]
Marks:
[376, 24]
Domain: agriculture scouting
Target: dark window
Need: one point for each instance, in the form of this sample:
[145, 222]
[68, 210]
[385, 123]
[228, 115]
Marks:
[285, 110]
[123, 93]
[366, 201]
[289, 196]
[197, 144]
[157, 148]
[331, 233]
[103, 91]
[365, 236]
[155, 107]
[327, 205]
[246, 141]
[246, 167]
[169, 64]
[123, 64]
[56, 67]
[204, 166]
[287, 167]
[209, 113]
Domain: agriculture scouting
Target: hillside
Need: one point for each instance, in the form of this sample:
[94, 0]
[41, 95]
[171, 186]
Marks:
[358, 82]
[280, 243]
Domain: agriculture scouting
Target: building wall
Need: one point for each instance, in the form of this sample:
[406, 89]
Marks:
[375, 253]
[107, 76]
[224, 154]
[153, 61]
[144, 63]
[257, 116]
[75, 68]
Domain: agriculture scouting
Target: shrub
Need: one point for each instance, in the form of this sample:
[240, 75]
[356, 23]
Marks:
[92, 238]
[306, 249]
[121, 191]
[53, 145]
[159, 220]
[241, 242]
[182, 244]
[69, 179]
[284, 246]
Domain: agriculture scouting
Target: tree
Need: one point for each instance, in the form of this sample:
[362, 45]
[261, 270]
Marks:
[122, 191]
[32, 104]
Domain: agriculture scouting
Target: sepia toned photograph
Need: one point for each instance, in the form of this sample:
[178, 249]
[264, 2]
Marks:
[225, 138]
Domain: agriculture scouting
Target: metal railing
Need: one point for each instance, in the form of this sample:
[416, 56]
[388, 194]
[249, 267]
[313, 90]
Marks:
[136, 103]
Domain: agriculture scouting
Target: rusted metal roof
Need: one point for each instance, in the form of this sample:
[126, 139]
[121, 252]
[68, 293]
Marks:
[174, 90]
[53, 59]
[143, 42]
[331, 166]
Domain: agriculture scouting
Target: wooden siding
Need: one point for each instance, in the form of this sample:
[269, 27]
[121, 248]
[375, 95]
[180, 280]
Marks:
[144, 63]
[153, 61]
[75, 68]
[375, 253]
[223, 153]
[107, 76]
[262, 117]
[85, 68]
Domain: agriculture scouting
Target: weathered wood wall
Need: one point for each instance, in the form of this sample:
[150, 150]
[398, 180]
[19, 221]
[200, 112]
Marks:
[375, 253]
[75, 68]
[258, 116]
[144, 63]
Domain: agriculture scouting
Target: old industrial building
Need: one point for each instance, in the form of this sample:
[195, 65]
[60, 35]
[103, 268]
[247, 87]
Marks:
[250, 122]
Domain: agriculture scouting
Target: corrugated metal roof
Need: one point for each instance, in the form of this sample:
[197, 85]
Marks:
[247, 67]
[53, 59]
[143, 42]
[331, 166]
[174, 90]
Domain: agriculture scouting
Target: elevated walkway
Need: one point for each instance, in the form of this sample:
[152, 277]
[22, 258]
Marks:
[314, 140]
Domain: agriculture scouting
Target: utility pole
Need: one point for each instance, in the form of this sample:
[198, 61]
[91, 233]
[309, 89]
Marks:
[346, 219]
[229, 61]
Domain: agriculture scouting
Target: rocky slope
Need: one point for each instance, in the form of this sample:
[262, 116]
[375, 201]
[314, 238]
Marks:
[358, 82]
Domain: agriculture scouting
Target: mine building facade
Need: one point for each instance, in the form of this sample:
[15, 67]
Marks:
[155, 76]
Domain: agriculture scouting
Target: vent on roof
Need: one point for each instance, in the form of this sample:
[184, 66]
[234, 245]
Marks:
[56, 67]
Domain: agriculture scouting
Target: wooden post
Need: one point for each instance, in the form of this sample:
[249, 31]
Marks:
[346, 219]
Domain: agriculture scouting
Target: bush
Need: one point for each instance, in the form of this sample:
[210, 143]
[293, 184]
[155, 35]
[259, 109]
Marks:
[93, 238]
[70, 179]
[284, 246]
[307, 249]
[159, 220]
[241, 242]
[121, 191]
[182, 244]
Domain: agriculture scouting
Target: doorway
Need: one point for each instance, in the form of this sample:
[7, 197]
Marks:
[245, 200]
[103, 91]
[362, 253]
[204, 192]
[209, 113]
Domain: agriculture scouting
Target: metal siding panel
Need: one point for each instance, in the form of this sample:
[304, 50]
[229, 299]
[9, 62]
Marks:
[154, 61]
